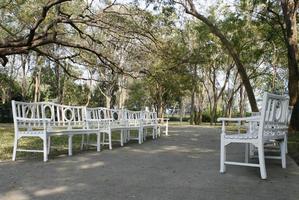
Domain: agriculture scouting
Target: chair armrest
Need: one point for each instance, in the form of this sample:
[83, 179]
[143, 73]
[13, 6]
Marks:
[251, 120]
[98, 120]
[23, 119]
[44, 122]
[239, 119]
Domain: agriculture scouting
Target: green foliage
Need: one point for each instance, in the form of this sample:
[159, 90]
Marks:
[138, 96]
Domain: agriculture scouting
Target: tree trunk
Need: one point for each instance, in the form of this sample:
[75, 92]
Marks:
[181, 110]
[231, 51]
[37, 88]
[289, 9]
[24, 81]
[108, 101]
[192, 107]
[37, 80]
[59, 90]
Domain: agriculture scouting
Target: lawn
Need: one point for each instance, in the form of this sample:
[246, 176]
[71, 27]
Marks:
[58, 144]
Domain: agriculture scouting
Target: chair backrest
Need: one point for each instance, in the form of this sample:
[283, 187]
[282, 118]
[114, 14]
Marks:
[98, 113]
[56, 115]
[63, 115]
[134, 117]
[274, 114]
[150, 117]
[118, 114]
[24, 110]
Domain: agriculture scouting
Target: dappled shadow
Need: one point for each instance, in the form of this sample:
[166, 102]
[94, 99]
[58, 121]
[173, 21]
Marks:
[183, 165]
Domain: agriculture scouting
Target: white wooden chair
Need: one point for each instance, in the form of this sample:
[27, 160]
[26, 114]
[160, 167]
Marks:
[272, 124]
[134, 122]
[29, 121]
[45, 119]
[254, 125]
[150, 122]
[98, 117]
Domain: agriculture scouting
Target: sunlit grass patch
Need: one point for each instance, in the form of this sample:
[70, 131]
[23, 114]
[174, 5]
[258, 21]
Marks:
[59, 144]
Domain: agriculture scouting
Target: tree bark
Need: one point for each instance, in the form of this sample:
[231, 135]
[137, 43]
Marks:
[24, 59]
[289, 8]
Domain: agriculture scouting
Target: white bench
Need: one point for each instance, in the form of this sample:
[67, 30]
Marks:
[45, 119]
[271, 128]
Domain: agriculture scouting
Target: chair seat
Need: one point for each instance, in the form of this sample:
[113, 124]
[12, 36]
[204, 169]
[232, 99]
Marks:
[241, 136]
[274, 136]
[267, 136]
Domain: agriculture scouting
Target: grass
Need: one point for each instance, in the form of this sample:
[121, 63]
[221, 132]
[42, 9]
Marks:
[172, 123]
[59, 144]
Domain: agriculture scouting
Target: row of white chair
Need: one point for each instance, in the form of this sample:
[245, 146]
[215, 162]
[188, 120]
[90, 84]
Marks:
[46, 119]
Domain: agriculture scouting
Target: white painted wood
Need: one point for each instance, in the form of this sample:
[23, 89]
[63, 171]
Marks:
[268, 126]
[46, 119]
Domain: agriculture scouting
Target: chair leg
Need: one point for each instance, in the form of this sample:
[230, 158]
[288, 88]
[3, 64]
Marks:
[159, 131]
[49, 145]
[144, 134]
[125, 136]
[262, 161]
[283, 154]
[45, 149]
[222, 155]
[286, 143]
[110, 140]
[70, 145]
[140, 135]
[99, 142]
[14, 154]
[122, 138]
[153, 133]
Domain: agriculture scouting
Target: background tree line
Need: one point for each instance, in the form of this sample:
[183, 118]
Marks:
[177, 55]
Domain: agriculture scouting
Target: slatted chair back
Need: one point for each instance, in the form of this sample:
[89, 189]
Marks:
[274, 115]
[116, 116]
[63, 116]
[98, 117]
[98, 113]
[134, 117]
[150, 118]
[28, 115]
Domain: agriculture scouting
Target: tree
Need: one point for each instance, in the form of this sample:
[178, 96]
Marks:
[290, 9]
[191, 9]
